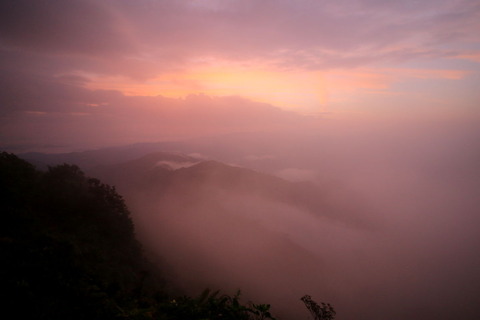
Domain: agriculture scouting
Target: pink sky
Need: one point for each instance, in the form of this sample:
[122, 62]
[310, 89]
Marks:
[143, 70]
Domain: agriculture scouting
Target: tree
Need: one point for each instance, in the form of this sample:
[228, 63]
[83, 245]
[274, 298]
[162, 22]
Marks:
[319, 312]
[67, 246]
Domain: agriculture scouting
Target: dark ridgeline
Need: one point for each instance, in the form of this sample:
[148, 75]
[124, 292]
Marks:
[69, 251]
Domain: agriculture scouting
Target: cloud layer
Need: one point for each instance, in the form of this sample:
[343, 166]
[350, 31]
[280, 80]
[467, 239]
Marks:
[349, 57]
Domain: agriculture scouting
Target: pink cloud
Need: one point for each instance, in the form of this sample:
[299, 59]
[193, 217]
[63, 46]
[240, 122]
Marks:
[117, 119]
[51, 53]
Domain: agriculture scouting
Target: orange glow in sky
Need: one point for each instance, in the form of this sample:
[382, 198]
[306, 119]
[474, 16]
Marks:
[149, 59]
[297, 90]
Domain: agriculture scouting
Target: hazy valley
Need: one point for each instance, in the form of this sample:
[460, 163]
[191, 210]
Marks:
[393, 249]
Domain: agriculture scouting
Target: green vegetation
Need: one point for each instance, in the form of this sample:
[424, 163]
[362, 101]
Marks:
[69, 251]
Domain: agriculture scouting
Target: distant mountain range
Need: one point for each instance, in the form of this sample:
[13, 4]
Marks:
[259, 151]
[104, 156]
[173, 173]
[217, 225]
[135, 168]
[223, 226]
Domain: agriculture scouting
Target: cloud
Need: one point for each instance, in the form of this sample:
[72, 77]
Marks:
[52, 112]
[142, 39]
[416, 184]
[77, 27]
[253, 157]
[297, 175]
[63, 59]
[174, 165]
[198, 155]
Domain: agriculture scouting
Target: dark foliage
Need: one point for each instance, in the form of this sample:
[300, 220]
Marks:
[324, 311]
[67, 246]
[215, 306]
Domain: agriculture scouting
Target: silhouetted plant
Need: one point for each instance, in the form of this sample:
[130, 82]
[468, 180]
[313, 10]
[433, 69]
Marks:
[213, 305]
[324, 311]
[261, 311]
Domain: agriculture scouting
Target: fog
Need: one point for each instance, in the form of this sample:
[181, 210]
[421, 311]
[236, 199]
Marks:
[384, 228]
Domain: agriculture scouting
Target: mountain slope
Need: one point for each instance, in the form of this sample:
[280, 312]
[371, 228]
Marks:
[224, 226]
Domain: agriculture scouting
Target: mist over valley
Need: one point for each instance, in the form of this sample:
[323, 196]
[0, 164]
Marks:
[376, 225]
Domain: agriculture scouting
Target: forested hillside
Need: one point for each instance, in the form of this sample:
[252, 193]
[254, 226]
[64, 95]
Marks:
[69, 251]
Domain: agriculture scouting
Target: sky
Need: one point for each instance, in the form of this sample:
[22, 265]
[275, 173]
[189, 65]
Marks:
[377, 100]
[81, 73]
